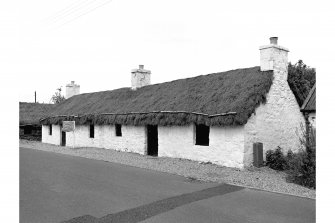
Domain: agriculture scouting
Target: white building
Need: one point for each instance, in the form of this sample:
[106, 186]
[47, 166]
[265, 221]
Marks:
[215, 117]
[309, 107]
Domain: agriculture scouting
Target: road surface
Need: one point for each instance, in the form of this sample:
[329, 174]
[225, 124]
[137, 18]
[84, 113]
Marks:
[61, 188]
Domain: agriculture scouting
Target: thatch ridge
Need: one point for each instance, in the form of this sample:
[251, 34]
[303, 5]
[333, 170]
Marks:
[199, 100]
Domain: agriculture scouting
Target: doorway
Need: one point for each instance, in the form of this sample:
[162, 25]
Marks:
[63, 139]
[152, 140]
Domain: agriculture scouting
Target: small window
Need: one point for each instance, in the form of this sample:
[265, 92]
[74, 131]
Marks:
[91, 131]
[201, 135]
[118, 130]
[50, 129]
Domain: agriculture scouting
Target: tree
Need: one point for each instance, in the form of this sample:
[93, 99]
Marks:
[301, 79]
[58, 97]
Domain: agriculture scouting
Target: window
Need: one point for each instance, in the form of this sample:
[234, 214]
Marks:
[201, 135]
[50, 129]
[118, 130]
[91, 131]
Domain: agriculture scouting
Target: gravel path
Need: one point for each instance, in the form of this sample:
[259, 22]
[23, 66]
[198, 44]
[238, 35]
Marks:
[261, 178]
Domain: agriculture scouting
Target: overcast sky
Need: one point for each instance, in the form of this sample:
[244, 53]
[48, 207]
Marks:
[97, 42]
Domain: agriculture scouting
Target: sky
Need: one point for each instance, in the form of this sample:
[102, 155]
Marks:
[96, 43]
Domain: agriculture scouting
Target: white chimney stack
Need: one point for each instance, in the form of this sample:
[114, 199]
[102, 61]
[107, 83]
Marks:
[273, 56]
[71, 90]
[140, 77]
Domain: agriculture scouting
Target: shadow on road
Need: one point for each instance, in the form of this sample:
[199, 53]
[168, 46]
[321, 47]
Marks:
[149, 210]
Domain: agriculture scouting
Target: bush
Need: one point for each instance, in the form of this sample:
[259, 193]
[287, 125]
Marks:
[301, 166]
[276, 160]
[301, 169]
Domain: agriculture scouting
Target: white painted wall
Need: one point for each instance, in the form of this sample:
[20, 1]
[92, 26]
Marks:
[54, 138]
[225, 148]
[133, 138]
[226, 144]
[312, 119]
[278, 122]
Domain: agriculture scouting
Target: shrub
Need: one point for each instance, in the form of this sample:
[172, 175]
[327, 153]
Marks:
[301, 166]
[275, 159]
[301, 169]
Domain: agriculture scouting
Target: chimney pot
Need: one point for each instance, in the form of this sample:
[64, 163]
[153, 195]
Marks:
[274, 40]
[141, 67]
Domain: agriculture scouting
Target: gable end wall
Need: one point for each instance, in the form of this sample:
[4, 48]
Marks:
[278, 121]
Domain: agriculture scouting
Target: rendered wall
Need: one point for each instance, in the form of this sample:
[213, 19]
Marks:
[133, 138]
[312, 119]
[226, 144]
[278, 122]
[52, 139]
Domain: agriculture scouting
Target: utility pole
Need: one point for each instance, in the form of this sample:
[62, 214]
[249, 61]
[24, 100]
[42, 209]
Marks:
[35, 97]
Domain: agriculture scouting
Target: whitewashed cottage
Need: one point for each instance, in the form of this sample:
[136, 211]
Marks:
[215, 117]
[309, 107]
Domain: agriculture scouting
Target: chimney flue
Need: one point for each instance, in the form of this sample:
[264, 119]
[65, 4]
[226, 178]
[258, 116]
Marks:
[274, 40]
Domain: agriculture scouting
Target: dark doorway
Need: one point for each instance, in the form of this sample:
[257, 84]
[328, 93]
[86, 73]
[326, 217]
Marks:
[118, 130]
[152, 140]
[201, 135]
[63, 141]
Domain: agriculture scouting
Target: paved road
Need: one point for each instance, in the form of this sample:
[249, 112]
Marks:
[60, 188]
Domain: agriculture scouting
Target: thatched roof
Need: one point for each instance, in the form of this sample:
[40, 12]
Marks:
[310, 101]
[31, 113]
[227, 98]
